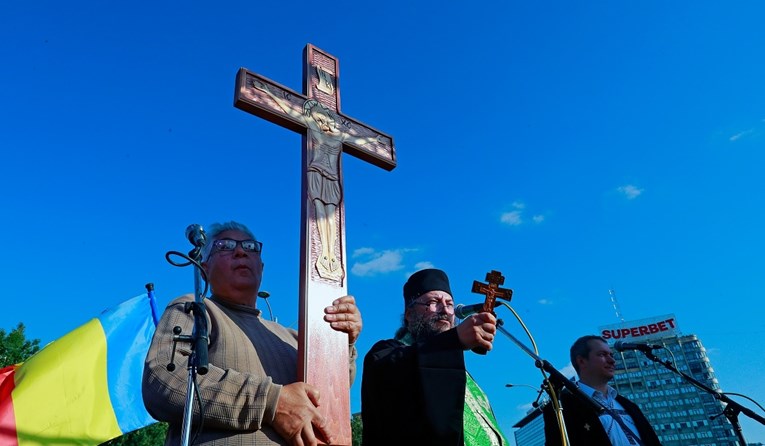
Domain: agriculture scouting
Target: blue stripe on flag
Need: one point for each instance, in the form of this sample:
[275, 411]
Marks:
[128, 328]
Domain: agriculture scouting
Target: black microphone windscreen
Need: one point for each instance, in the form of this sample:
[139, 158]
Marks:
[195, 234]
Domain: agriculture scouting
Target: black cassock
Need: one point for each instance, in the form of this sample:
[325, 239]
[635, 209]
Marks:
[414, 394]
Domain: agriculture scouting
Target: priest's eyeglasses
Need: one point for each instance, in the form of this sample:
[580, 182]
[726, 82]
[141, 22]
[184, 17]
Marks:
[435, 305]
[227, 244]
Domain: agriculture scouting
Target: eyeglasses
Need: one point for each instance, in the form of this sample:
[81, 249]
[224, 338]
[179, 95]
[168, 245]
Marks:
[435, 305]
[227, 244]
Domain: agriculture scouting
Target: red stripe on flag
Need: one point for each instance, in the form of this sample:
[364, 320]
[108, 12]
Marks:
[7, 419]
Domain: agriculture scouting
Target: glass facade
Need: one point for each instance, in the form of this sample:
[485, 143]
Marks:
[680, 413]
[530, 431]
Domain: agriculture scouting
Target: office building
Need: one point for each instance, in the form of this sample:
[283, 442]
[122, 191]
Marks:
[681, 413]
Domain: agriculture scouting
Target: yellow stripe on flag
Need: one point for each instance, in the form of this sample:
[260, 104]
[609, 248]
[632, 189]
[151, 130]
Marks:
[61, 394]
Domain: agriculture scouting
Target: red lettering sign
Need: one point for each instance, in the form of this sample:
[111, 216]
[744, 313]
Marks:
[639, 330]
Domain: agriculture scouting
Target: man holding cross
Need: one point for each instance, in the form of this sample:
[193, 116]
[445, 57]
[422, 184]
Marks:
[415, 389]
[250, 395]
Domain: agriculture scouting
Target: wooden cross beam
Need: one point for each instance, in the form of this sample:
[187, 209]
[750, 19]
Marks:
[322, 352]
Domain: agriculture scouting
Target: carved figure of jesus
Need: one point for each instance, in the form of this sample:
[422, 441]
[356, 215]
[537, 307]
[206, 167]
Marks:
[323, 173]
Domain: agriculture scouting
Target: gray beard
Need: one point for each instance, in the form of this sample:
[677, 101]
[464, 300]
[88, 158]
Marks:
[426, 326]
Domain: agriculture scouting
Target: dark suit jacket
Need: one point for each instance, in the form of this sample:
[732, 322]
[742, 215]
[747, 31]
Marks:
[585, 429]
[414, 394]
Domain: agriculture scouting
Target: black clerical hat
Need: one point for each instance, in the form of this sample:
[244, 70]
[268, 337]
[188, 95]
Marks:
[423, 281]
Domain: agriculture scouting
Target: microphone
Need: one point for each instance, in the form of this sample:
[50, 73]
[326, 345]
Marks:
[196, 235]
[463, 311]
[621, 346]
[265, 295]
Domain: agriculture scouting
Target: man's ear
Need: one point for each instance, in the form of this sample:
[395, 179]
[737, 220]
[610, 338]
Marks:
[408, 313]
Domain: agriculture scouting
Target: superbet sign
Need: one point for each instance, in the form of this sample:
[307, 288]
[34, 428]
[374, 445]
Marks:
[655, 327]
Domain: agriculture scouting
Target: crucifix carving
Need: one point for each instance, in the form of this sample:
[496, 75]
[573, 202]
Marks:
[492, 290]
[323, 352]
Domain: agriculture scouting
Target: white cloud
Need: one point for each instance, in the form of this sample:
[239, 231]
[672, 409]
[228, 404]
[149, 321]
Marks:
[362, 252]
[377, 262]
[512, 218]
[418, 266]
[526, 407]
[544, 302]
[712, 351]
[630, 191]
[423, 265]
[516, 217]
[740, 135]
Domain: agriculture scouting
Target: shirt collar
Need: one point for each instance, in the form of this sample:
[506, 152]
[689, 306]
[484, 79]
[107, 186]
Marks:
[592, 392]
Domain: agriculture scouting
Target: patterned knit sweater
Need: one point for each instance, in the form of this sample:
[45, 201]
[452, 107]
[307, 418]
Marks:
[250, 359]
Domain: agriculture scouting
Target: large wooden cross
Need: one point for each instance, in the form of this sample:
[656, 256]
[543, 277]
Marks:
[322, 352]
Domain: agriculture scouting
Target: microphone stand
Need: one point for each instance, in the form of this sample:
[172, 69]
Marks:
[732, 408]
[198, 362]
[198, 359]
[556, 381]
[556, 377]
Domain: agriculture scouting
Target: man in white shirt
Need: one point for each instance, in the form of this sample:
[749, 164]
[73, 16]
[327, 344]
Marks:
[621, 424]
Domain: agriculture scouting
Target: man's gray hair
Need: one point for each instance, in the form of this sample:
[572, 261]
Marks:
[215, 229]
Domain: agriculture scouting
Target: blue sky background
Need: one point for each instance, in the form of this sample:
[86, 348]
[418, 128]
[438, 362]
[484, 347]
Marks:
[577, 148]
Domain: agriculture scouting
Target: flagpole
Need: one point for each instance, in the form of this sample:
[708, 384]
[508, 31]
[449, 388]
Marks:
[152, 303]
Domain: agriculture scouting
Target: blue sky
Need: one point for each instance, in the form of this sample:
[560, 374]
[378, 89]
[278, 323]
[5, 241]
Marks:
[577, 148]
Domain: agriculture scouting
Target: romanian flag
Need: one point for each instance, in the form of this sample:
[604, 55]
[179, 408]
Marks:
[84, 388]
